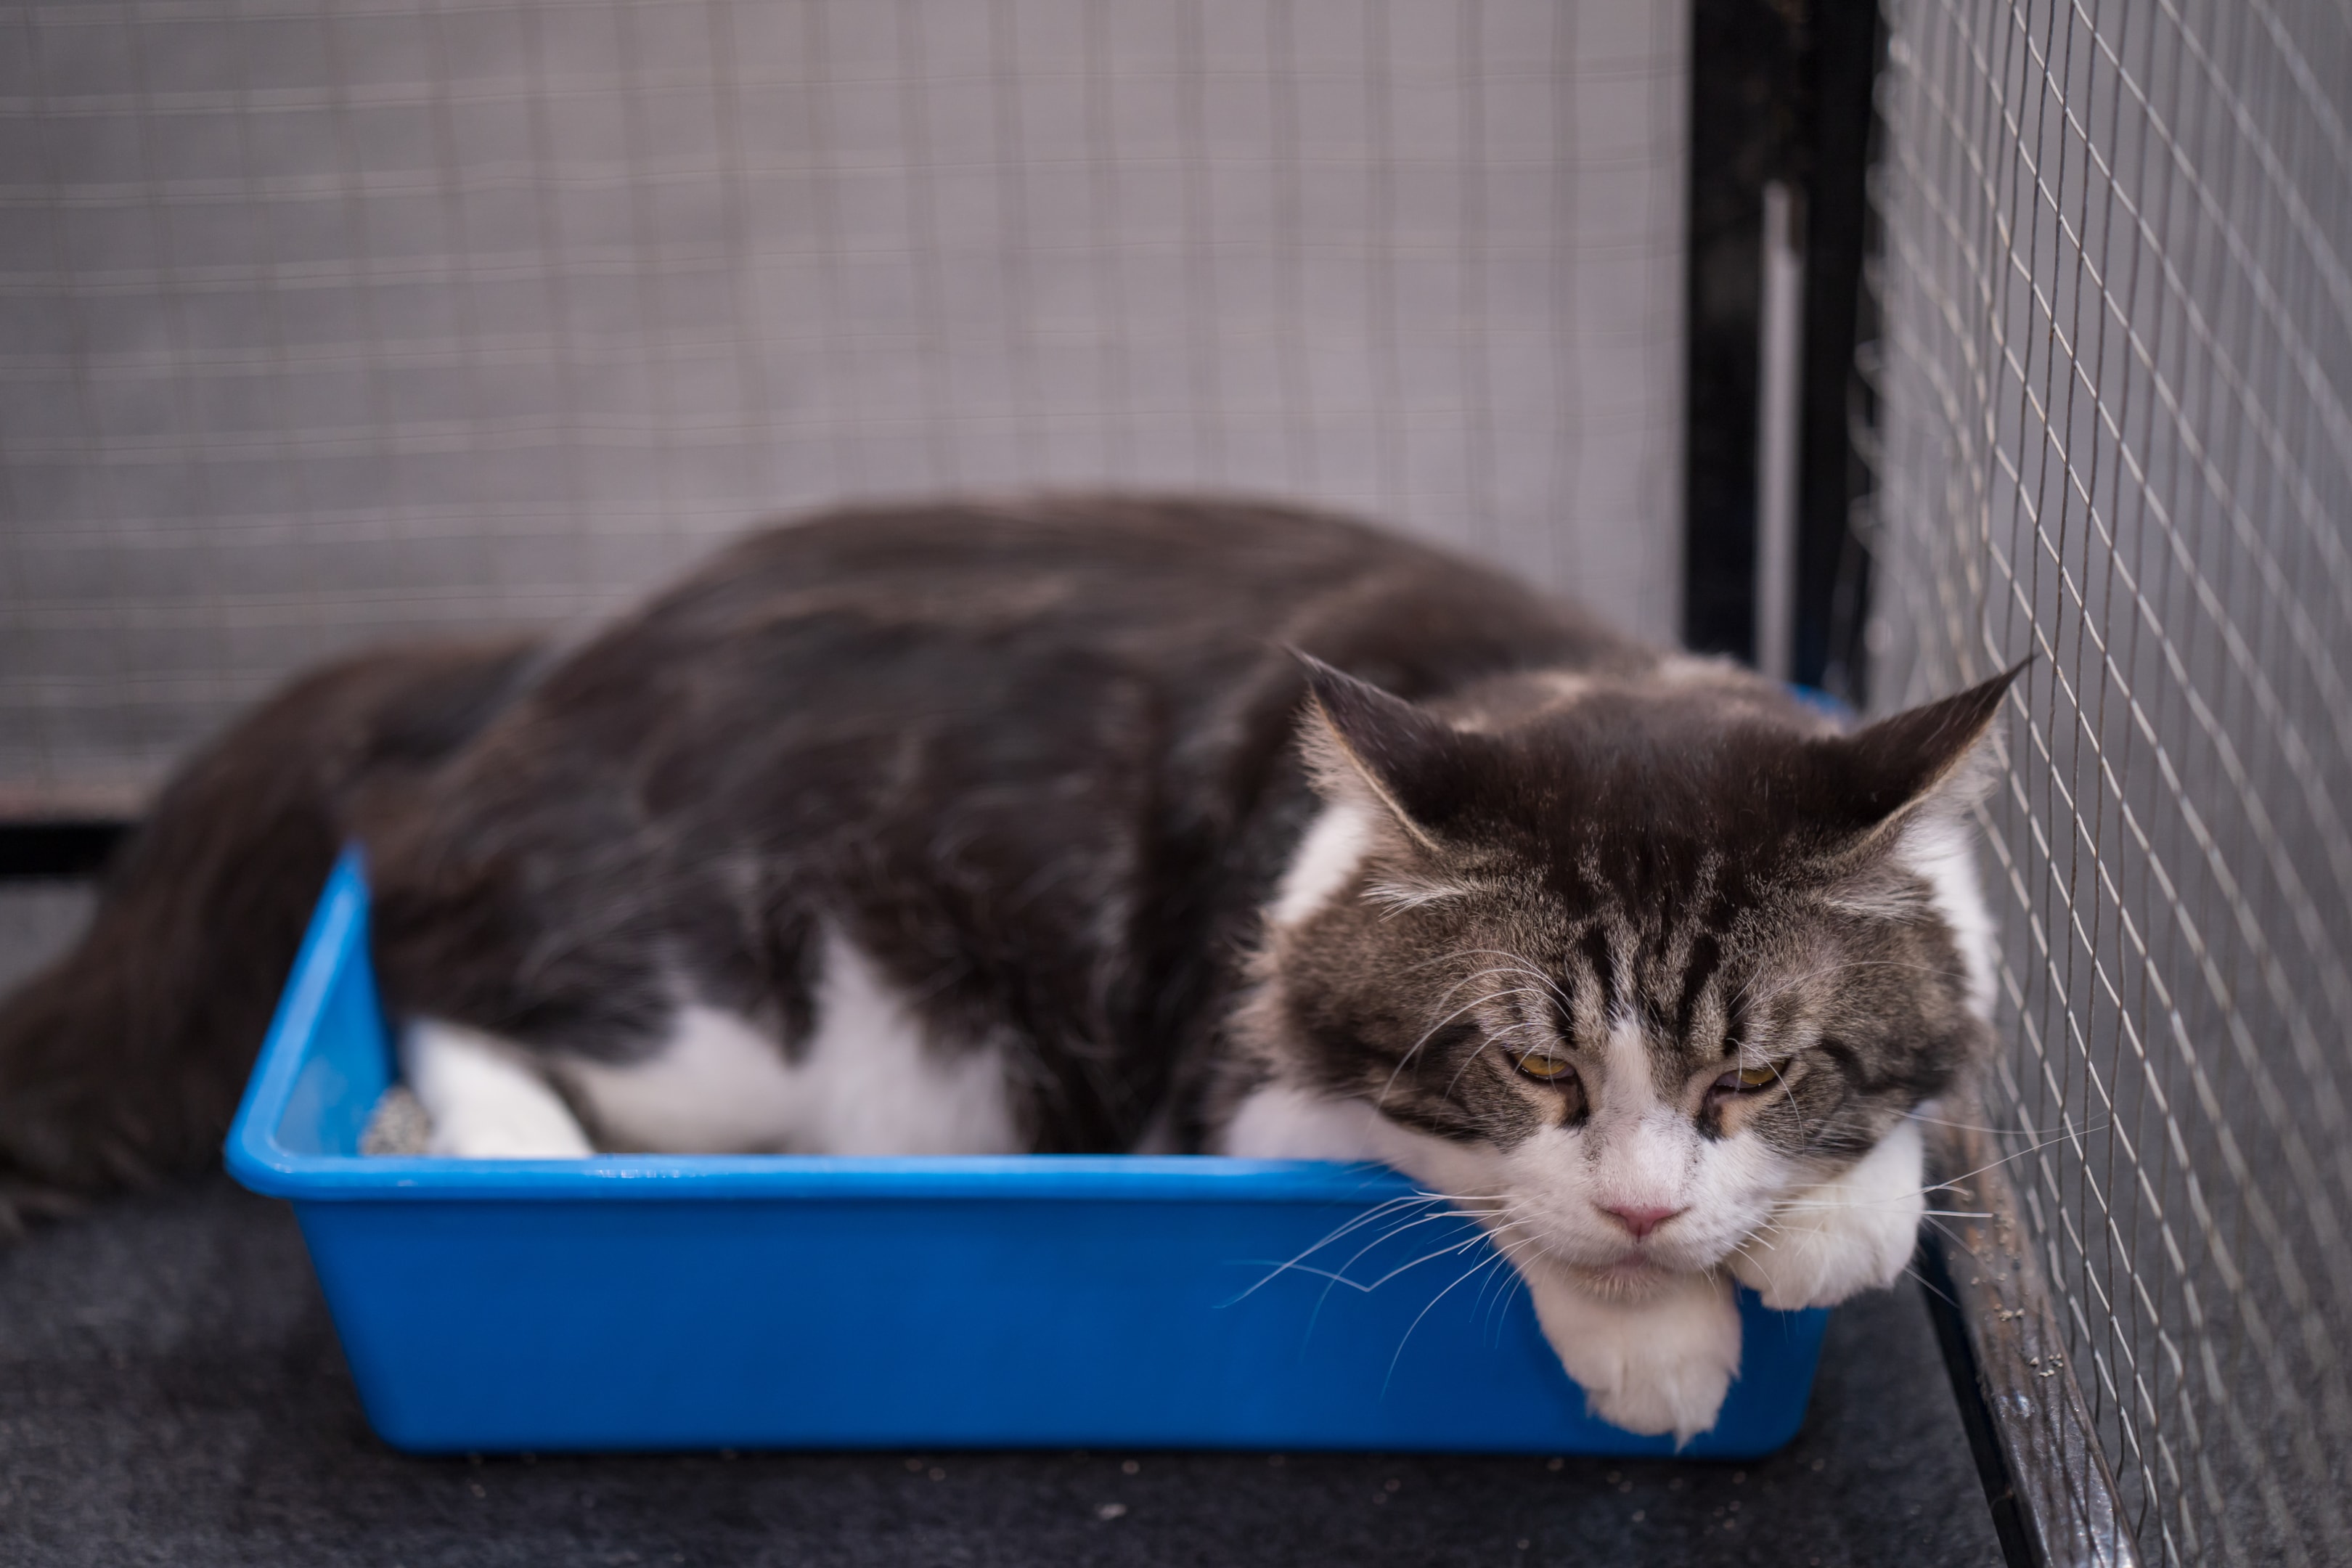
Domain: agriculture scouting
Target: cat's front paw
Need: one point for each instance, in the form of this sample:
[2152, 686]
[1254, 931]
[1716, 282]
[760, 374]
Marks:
[1846, 1236]
[1655, 1395]
[482, 1102]
[1660, 1365]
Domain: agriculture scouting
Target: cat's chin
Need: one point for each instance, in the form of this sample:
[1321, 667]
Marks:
[1632, 1278]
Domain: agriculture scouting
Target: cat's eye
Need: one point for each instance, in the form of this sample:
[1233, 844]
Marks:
[1545, 1066]
[1748, 1080]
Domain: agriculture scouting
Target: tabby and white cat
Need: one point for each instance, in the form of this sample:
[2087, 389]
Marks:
[1102, 825]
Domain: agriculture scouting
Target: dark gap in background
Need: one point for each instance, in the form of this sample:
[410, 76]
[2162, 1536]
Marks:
[1780, 89]
[40, 849]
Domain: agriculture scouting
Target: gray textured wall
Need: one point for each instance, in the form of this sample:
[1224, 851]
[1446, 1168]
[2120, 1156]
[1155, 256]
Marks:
[321, 324]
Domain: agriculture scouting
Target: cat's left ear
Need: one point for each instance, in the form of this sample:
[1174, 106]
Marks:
[1366, 742]
[1932, 756]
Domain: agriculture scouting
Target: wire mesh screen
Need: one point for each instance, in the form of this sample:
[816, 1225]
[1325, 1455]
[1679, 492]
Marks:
[322, 323]
[2118, 345]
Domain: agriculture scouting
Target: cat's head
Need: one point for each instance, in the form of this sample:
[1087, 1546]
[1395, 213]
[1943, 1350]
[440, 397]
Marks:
[1633, 956]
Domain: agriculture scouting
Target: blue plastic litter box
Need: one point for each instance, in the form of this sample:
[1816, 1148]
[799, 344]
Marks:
[639, 1301]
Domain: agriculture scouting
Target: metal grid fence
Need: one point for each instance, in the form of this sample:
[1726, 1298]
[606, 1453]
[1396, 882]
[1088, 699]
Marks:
[2114, 376]
[325, 320]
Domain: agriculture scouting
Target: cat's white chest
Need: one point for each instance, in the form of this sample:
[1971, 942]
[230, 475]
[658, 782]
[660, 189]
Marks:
[866, 1083]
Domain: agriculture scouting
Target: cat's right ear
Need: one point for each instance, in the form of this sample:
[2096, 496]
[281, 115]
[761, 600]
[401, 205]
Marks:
[1363, 742]
[1934, 758]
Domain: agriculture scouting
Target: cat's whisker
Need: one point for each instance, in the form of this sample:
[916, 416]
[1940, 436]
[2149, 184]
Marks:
[1390, 1236]
[1799, 1206]
[1458, 1197]
[1974, 1127]
[1517, 964]
[1432, 1032]
[1370, 1217]
[1791, 1098]
[2035, 1148]
[1949, 1234]
[1447, 995]
[1482, 1265]
[1451, 991]
[1510, 1252]
[1484, 1044]
[1389, 1210]
[1928, 1284]
[1426, 1036]
[1465, 1245]
[1342, 1274]
[1334, 1276]
[1756, 1239]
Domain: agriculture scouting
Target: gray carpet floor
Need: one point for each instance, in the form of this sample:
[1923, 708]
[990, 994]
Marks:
[171, 1393]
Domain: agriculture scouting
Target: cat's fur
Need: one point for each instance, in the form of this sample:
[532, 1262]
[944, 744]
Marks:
[1102, 823]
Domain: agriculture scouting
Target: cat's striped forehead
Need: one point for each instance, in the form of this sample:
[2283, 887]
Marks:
[1689, 976]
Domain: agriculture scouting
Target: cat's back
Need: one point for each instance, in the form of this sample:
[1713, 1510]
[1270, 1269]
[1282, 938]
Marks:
[1151, 581]
[1029, 636]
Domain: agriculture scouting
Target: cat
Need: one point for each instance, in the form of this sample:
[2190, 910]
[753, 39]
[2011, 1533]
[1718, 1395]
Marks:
[1102, 823]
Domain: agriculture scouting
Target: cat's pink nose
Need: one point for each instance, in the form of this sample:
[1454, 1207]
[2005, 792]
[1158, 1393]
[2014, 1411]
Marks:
[1640, 1222]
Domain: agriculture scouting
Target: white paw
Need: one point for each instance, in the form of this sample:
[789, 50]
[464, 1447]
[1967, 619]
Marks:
[1846, 1236]
[513, 1133]
[1660, 1365]
[483, 1101]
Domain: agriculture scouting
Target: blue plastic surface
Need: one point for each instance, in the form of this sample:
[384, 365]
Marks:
[647, 1302]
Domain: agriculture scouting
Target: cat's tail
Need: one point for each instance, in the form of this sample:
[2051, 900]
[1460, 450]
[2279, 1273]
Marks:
[122, 1062]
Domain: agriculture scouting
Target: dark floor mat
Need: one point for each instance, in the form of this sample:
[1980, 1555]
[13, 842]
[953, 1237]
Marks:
[171, 1393]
